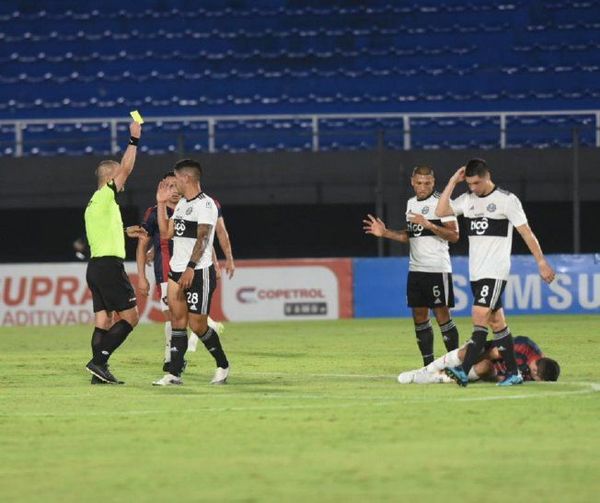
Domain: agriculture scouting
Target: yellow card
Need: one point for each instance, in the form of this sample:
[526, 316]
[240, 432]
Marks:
[135, 115]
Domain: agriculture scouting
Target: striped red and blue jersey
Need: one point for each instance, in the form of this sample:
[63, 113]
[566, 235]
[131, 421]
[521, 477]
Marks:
[526, 351]
[163, 248]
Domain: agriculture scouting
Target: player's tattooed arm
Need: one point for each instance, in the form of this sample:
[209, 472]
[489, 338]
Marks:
[376, 227]
[185, 281]
[201, 241]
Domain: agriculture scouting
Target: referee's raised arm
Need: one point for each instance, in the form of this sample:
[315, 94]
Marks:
[128, 160]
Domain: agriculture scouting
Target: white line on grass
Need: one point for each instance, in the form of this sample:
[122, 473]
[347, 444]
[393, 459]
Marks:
[372, 401]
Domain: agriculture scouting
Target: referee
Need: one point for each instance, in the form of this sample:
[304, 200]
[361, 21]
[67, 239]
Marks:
[106, 277]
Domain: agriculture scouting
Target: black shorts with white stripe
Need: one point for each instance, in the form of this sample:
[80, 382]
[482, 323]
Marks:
[429, 289]
[487, 292]
[199, 295]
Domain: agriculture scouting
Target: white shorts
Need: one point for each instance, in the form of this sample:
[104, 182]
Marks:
[163, 297]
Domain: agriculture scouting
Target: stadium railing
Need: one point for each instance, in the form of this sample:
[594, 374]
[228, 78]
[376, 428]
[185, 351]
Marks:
[208, 127]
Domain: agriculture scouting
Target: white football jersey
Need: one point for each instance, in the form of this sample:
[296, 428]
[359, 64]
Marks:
[490, 221]
[428, 252]
[186, 218]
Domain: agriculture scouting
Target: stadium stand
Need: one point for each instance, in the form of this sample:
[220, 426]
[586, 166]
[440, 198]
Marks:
[180, 58]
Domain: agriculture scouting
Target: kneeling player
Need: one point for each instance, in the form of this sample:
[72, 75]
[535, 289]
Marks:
[532, 363]
[192, 278]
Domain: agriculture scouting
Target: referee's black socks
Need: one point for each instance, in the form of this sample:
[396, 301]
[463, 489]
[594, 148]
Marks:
[503, 340]
[179, 343]
[474, 347]
[97, 340]
[105, 342]
[211, 342]
[424, 333]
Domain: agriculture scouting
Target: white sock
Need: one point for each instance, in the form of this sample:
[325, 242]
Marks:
[446, 361]
[167, 341]
[192, 342]
[473, 375]
[213, 324]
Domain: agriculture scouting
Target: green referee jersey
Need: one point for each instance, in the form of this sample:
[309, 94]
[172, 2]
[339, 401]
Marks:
[103, 223]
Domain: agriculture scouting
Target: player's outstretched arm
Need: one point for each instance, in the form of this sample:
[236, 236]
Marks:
[128, 160]
[165, 225]
[225, 244]
[546, 271]
[443, 208]
[376, 227]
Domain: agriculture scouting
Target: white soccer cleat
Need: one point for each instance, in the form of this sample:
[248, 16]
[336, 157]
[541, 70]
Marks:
[220, 376]
[431, 378]
[168, 380]
[407, 377]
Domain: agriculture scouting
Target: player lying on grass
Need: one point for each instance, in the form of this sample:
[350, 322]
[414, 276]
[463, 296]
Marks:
[490, 366]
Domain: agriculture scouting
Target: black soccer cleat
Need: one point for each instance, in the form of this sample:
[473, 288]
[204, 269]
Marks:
[102, 373]
[97, 380]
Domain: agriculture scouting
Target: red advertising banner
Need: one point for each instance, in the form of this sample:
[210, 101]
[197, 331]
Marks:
[57, 294]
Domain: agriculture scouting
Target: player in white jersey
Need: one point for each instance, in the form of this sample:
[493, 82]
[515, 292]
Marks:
[491, 213]
[192, 277]
[429, 282]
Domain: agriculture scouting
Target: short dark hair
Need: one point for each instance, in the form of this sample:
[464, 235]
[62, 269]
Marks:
[423, 170]
[100, 169]
[168, 174]
[191, 166]
[548, 369]
[477, 167]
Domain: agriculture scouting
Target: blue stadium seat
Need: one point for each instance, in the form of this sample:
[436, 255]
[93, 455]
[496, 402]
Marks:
[222, 58]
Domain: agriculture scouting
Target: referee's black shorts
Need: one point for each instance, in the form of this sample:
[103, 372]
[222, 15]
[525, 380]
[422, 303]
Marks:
[110, 285]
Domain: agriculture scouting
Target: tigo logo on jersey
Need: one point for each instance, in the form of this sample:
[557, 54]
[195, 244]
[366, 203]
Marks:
[179, 228]
[415, 229]
[479, 226]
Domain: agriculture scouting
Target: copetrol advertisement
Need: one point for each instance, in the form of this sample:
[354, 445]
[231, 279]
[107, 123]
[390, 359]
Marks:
[57, 294]
[380, 286]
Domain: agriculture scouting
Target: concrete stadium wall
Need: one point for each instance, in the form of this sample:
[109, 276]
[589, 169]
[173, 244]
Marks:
[300, 178]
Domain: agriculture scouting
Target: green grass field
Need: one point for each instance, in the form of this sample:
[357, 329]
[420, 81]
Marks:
[312, 413]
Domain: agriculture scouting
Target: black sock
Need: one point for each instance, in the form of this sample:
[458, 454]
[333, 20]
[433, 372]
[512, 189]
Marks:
[211, 342]
[179, 342]
[97, 340]
[424, 333]
[503, 340]
[116, 336]
[474, 347]
[450, 335]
